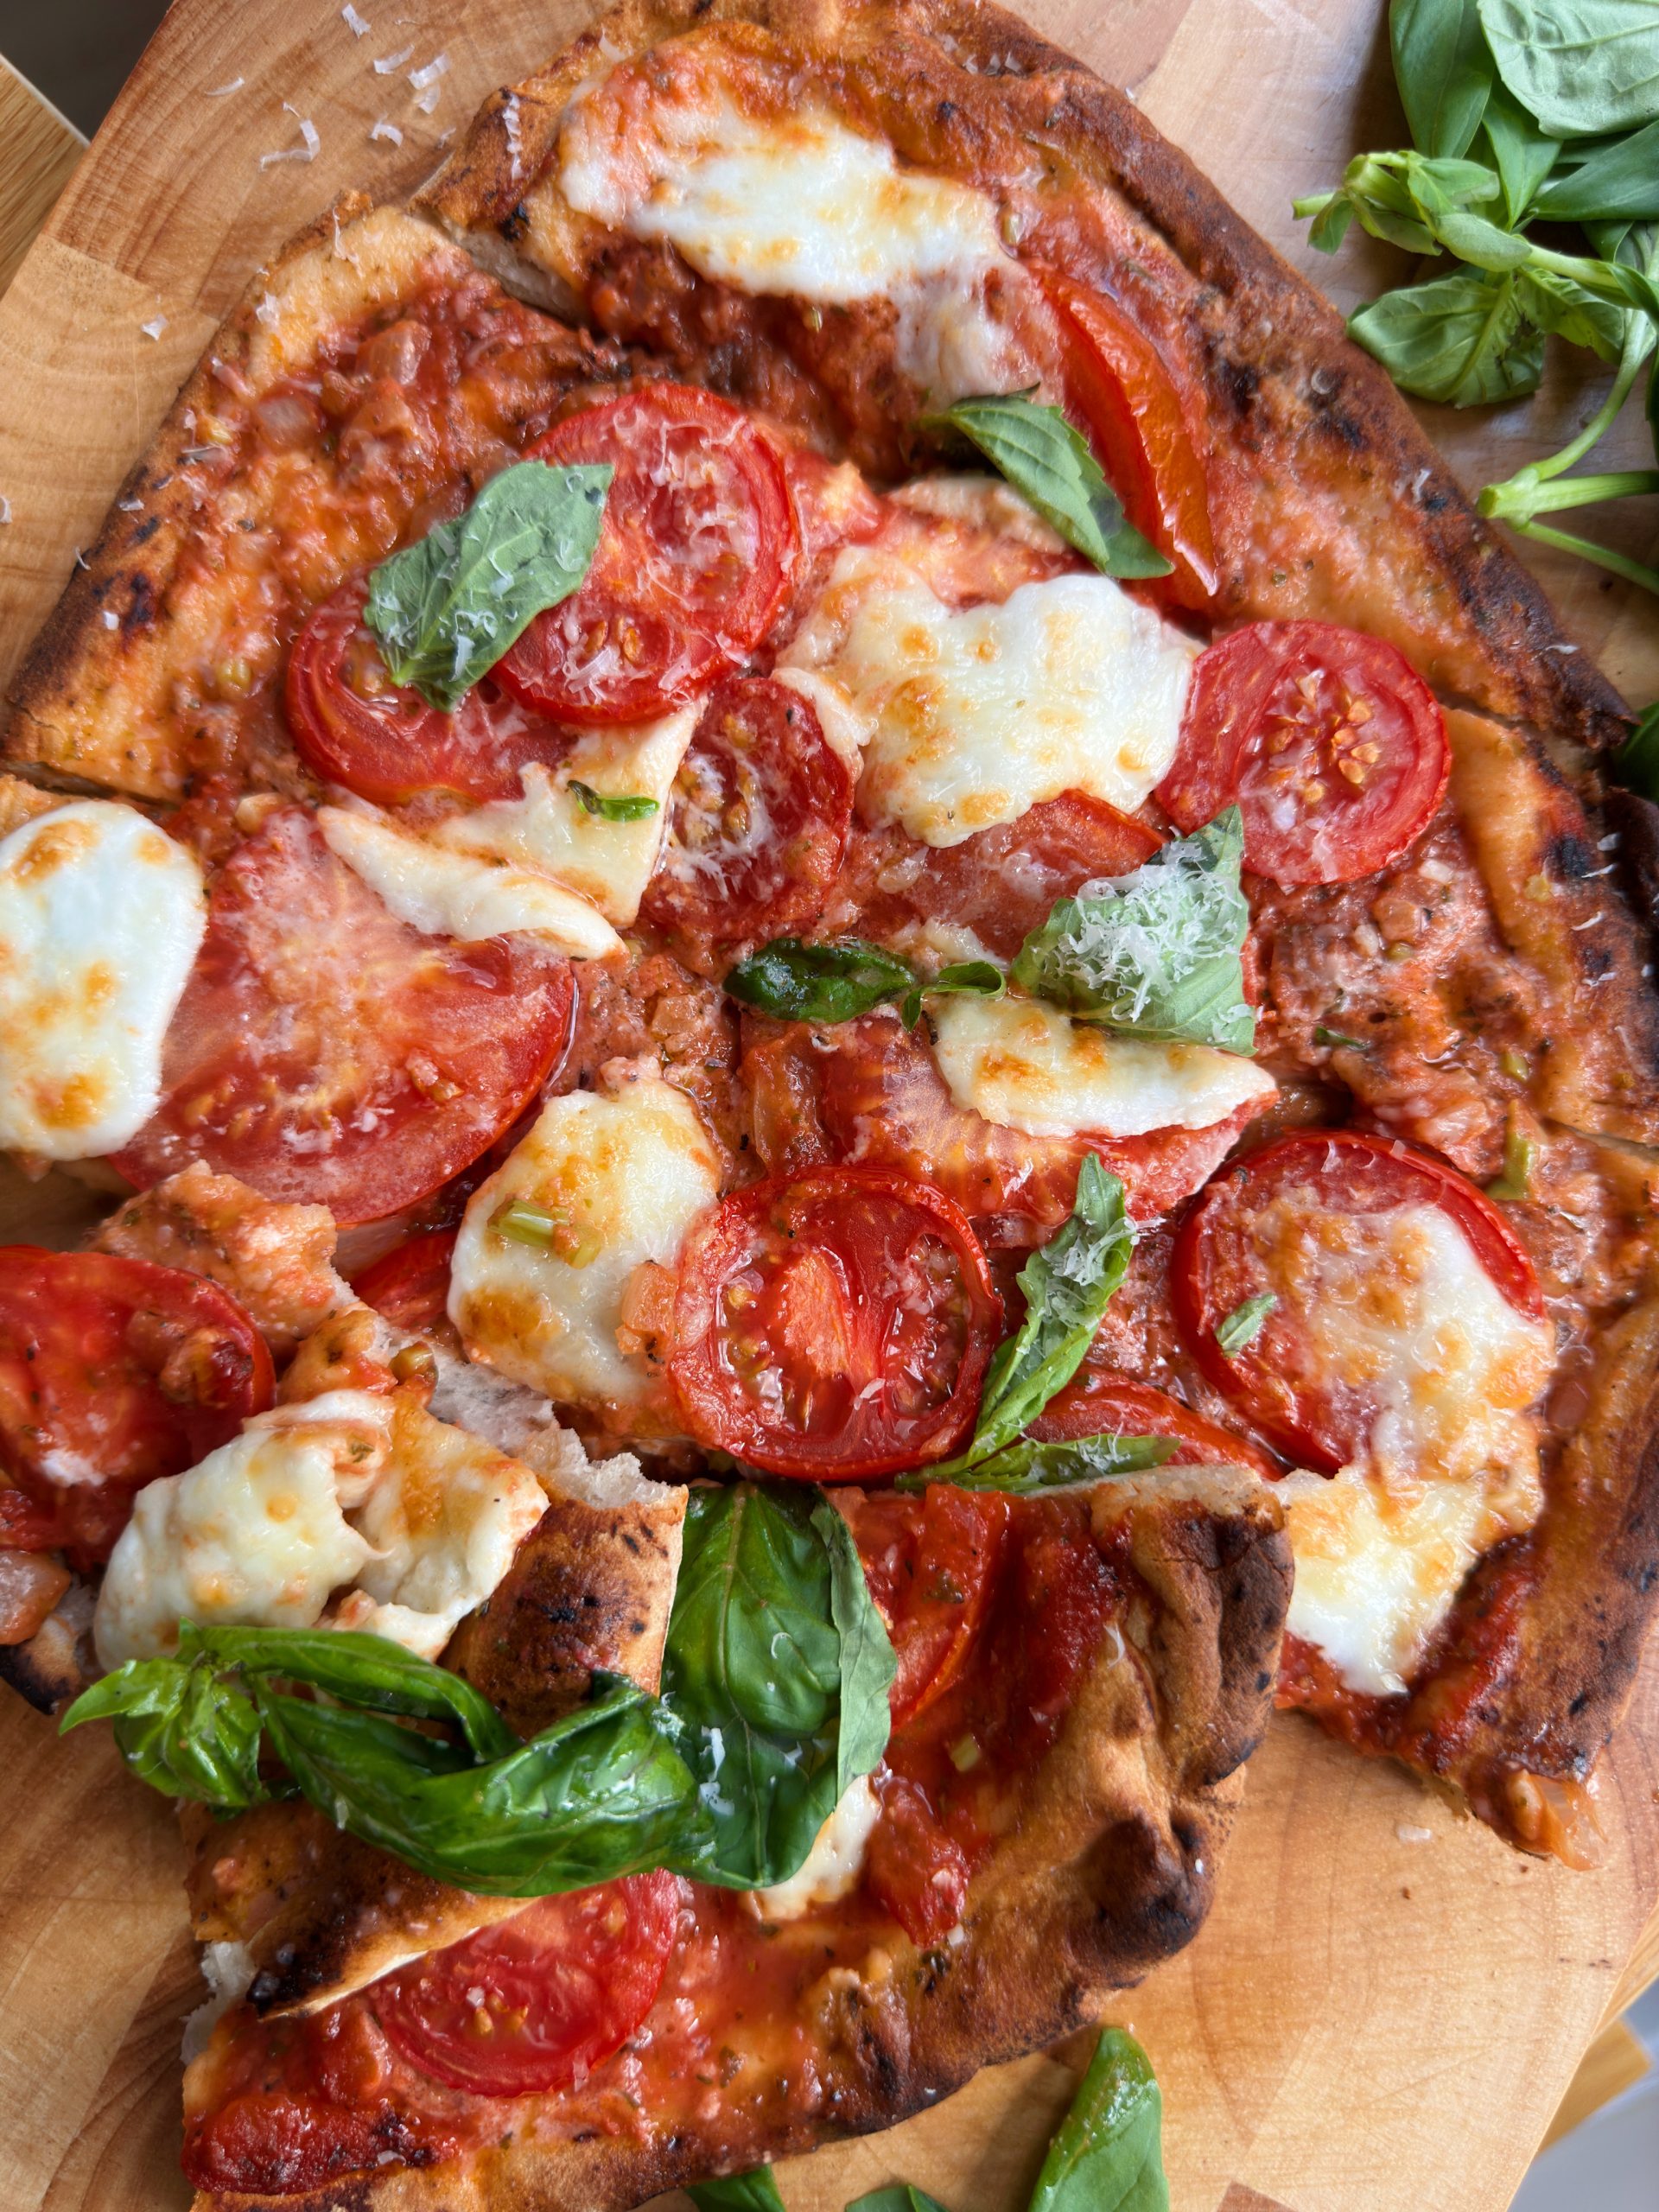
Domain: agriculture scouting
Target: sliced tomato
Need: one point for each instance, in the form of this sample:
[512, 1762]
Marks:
[382, 740]
[915, 1869]
[1097, 1403]
[699, 548]
[1122, 394]
[758, 822]
[999, 883]
[328, 1054]
[930, 1563]
[833, 1324]
[410, 1284]
[536, 2001]
[1329, 741]
[30, 1586]
[882, 1100]
[113, 1371]
[1278, 1224]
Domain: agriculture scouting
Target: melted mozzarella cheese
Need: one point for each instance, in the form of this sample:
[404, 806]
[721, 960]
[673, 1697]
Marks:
[619, 1180]
[977, 714]
[101, 917]
[463, 895]
[1023, 1065]
[1377, 1567]
[255, 1533]
[549, 832]
[801, 206]
[835, 1866]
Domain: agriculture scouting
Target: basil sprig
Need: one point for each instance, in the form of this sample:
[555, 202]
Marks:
[1067, 1286]
[774, 1698]
[1156, 952]
[795, 981]
[446, 609]
[1049, 463]
[775, 1677]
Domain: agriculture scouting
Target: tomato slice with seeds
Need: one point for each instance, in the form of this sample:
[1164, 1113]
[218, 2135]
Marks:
[1329, 741]
[1097, 1402]
[112, 1371]
[916, 1870]
[930, 1563]
[699, 550]
[328, 1054]
[758, 822]
[382, 740]
[1122, 394]
[833, 1324]
[529, 2005]
[410, 1284]
[1346, 1232]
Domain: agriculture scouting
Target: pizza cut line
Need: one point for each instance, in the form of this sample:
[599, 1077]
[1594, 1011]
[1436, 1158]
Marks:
[803, 787]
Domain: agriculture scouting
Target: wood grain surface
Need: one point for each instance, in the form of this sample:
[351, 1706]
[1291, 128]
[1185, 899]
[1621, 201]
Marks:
[1387, 2004]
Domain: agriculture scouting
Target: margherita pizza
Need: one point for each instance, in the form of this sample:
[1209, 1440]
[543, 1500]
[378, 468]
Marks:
[812, 748]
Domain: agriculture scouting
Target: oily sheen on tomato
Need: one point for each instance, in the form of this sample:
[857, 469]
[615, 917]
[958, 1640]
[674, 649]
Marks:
[409, 1285]
[536, 2002]
[1119, 390]
[1328, 741]
[1296, 1222]
[930, 1564]
[757, 822]
[698, 552]
[1097, 1403]
[354, 726]
[328, 1054]
[833, 1324]
[112, 1371]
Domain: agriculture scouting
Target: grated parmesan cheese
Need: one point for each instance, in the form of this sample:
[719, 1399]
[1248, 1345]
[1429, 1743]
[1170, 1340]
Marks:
[384, 130]
[218, 92]
[387, 62]
[112, 619]
[268, 311]
[5, 510]
[354, 22]
[426, 84]
[309, 142]
[155, 327]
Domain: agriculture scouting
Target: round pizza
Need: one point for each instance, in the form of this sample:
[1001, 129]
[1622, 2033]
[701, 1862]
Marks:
[866, 1044]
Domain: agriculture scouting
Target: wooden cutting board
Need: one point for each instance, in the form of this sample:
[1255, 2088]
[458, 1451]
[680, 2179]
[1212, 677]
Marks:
[1387, 2004]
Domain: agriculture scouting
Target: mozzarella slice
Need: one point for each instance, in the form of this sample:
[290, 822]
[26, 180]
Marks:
[255, 1534]
[463, 895]
[101, 917]
[549, 832]
[442, 1522]
[978, 713]
[800, 205]
[619, 1180]
[1377, 1568]
[835, 1866]
[1023, 1065]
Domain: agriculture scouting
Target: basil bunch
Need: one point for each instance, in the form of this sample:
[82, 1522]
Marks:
[445, 610]
[1156, 952]
[795, 981]
[1049, 463]
[775, 1684]
[1521, 113]
[1068, 1284]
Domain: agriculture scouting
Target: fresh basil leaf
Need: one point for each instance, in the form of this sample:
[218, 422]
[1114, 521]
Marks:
[1580, 66]
[181, 1728]
[796, 982]
[897, 2196]
[1523, 155]
[447, 609]
[1653, 410]
[1443, 70]
[1067, 1285]
[1461, 340]
[752, 1681]
[754, 2191]
[1618, 182]
[618, 806]
[1244, 1324]
[599, 1795]
[867, 1661]
[1560, 305]
[1108, 2153]
[1026, 1467]
[1335, 1040]
[359, 1669]
[1156, 952]
[1330, 214]
[980, 979]
[1050, 464]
